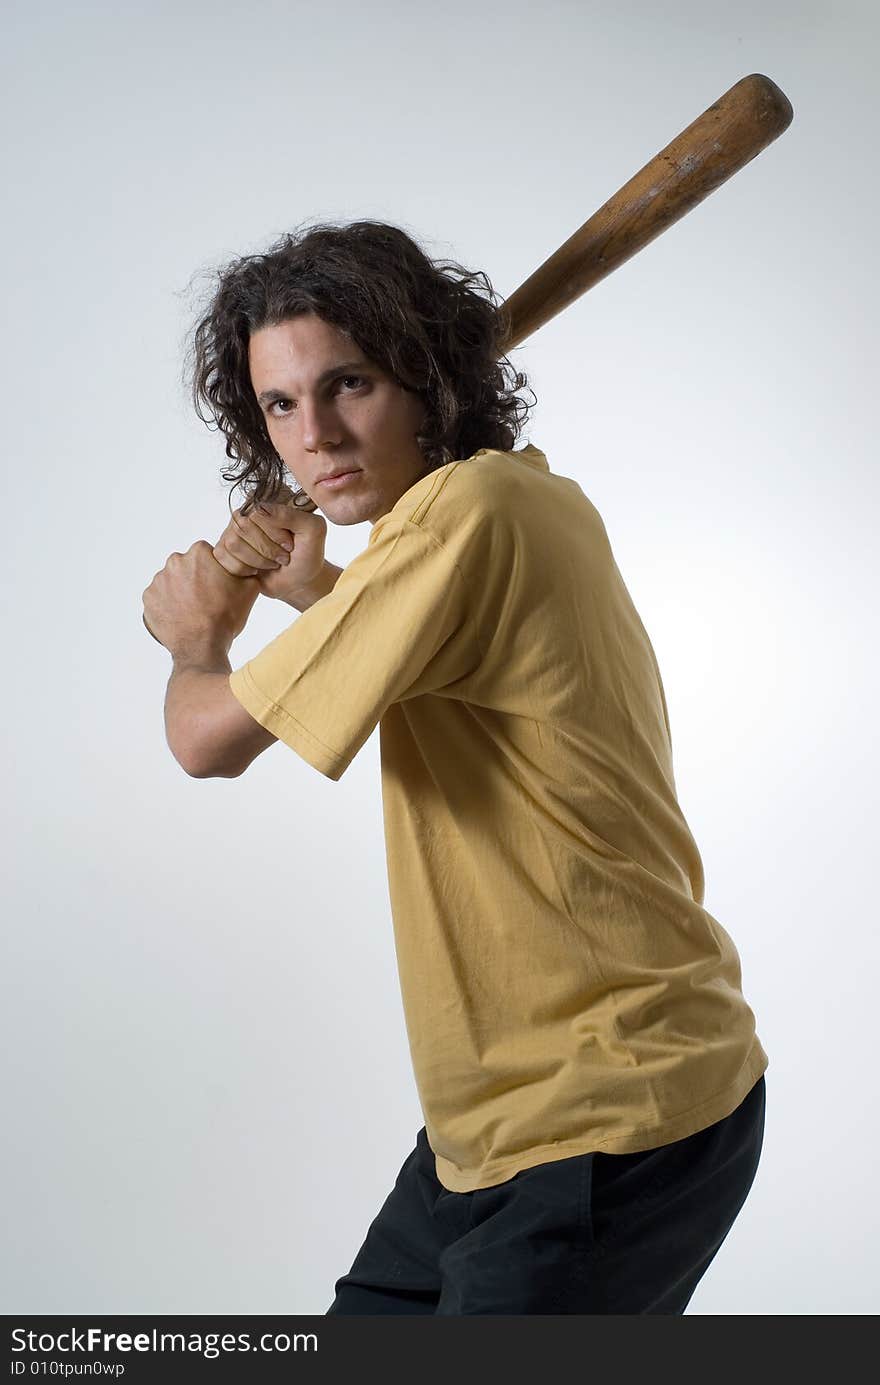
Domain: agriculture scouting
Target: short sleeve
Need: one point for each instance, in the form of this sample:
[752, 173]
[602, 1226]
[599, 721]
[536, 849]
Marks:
[396, 625]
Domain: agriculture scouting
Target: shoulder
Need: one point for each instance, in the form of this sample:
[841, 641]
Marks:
[467, 494]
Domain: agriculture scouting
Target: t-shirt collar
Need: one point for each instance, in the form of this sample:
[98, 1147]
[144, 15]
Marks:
[531, 455]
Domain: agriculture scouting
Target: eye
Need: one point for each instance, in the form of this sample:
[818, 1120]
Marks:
[355, 380]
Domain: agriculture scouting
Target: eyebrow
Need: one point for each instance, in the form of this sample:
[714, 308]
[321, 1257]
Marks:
[270, 396]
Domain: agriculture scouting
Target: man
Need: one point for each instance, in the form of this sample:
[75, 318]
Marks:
[587, 1065]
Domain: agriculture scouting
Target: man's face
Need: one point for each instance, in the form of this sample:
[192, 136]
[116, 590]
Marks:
[328, 408]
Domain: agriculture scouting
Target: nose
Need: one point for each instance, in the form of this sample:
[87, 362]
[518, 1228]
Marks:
[320, 425]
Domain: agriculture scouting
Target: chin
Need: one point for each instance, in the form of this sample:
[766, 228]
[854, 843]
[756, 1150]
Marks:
[347, 514]
[342, 520]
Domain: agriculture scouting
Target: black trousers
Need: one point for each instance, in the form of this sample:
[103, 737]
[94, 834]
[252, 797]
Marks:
[595, 1233]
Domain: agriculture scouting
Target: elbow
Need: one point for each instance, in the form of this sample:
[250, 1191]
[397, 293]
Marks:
[218, 741]
[213, 773]
[198, 766]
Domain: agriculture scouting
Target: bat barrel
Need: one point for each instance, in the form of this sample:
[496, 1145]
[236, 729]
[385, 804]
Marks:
[721, 141]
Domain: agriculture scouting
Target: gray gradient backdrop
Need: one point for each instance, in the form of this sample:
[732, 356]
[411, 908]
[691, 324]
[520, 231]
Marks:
[209, 1091]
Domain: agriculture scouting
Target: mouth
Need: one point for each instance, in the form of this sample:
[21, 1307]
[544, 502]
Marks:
[340, 480]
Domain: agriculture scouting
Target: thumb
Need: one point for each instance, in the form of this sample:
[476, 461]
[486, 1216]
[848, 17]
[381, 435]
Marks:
[295, 518]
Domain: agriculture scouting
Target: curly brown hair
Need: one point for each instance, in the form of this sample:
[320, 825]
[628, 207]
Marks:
[432, 325]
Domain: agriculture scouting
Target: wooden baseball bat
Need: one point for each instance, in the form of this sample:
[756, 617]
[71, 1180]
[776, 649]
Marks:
[720, 142]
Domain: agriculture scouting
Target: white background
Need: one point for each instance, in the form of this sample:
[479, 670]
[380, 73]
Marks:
[209, 1091]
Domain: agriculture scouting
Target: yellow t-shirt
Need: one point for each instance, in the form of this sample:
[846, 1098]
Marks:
[563, 987]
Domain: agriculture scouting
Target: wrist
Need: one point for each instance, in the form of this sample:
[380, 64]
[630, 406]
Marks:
[320, 586]
[210, 655]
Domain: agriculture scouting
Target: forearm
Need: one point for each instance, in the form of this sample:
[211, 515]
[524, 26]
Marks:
[322, 586]
[209, 733]
[196, 690]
